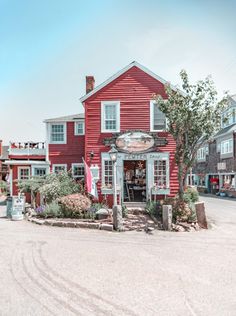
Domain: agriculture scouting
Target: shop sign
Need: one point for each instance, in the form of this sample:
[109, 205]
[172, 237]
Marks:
[135, 142]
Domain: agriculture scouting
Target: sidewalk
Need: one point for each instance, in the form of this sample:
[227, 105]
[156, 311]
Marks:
[217, 197]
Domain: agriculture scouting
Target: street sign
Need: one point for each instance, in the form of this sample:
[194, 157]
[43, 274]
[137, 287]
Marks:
[18, 206]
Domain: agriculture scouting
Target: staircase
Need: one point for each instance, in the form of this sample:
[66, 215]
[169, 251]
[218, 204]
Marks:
[135, 206]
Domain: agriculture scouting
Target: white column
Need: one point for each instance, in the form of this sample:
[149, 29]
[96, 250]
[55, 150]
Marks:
[114, 183]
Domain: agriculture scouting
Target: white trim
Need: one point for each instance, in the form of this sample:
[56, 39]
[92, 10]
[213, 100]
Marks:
[46, 167]
[26, 162]
[59, 165]
[117, 104]
[79, 164]
[65, 133]
[119, 73]
[75, 127]
[152, 103]
[22, 168]
[223, 143]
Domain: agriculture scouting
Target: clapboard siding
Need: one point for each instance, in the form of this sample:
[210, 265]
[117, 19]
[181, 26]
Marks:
[71, 152]
[134, 89]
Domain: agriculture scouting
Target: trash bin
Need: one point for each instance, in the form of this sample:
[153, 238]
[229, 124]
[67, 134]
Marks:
[9, 206]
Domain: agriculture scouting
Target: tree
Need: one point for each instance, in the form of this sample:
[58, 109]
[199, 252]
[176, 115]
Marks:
[193, 116]
[33, 186]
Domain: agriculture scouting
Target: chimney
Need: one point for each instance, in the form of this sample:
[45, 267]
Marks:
[0, 147]
[90, 81]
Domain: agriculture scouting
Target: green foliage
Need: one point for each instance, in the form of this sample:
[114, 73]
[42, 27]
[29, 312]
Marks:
[154, 208]
[31, 185]
[58, 185]
[124, 211]
[191, 195]
[3, 186]
[193, 117]
[75, 205]
[52, 209]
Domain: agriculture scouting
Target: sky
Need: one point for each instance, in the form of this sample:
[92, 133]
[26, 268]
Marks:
[47, 48]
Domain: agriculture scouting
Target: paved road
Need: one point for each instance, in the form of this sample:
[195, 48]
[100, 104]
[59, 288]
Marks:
[63, 271]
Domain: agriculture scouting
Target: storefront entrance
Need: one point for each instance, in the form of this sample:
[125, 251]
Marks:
[134, 175]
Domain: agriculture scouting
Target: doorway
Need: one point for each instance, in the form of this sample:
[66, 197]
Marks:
[134, 180]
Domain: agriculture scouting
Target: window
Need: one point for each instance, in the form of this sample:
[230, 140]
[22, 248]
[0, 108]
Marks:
[58, 132]
[110, 112]
[201, 153]
[107, 174]
[59, 168]
[160, 174]
[79, 128]
[23, 173]
[40, 172]
[228, 117]
[157, 118]
[226, 146]
[78, 170]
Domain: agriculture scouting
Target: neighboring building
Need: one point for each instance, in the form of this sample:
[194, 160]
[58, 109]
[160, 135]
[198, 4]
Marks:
[26, 159]
[3, 158]
[216, 160]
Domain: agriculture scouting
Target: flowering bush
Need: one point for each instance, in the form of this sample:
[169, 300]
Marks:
[58, 185]
[49, 210]
[74, 205]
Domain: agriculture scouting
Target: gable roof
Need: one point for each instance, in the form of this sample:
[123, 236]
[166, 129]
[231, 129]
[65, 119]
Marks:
[68, 118]
[228, 129]
[121, 72]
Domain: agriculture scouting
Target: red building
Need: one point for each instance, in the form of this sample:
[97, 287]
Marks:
[119, 112]
[26, 159]
[122, 111]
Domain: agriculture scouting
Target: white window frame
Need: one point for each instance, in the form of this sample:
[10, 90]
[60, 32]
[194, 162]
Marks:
[226, 144]
[77, 165]
[104, 187]
[59, 165]
[152, 104]
[39, 167]
[23, 168]
[76, 128]
[201, 153]
[167, 175]
[65, 133]
[103, 105]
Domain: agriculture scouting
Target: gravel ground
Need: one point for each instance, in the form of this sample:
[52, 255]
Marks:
[64, 271]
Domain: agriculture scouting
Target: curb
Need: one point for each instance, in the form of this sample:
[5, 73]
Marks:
[88, 225]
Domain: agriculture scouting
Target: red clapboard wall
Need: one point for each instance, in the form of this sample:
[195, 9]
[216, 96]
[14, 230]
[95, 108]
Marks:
[71, 152]
[134, 89]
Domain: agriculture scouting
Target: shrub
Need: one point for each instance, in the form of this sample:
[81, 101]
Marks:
[191, 195]
[49, 210]
[154, 208]
[58, 185]
[74, 205]
[124, 211]
[3, 186]
[182, 211]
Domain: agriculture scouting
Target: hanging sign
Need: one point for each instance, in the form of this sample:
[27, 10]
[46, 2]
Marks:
[135, 142]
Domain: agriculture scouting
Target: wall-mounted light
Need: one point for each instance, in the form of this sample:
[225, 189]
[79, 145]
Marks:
[91, 155]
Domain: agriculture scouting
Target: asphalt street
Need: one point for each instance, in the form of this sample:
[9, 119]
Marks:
[65, 271]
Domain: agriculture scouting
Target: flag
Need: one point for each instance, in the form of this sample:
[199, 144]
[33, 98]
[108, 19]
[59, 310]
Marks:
[90, 183]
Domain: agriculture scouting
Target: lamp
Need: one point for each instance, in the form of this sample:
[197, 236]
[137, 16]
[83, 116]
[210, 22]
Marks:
[113, 156]
[113, 153]
[91, 155]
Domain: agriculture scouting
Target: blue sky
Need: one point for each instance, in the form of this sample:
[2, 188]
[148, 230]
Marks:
[48, 47]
